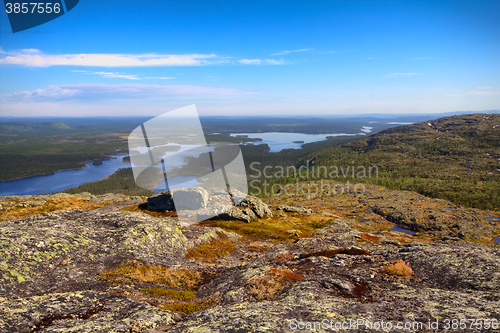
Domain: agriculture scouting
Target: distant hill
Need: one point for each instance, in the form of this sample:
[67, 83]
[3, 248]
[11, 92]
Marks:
[455, 158]
[23, 127]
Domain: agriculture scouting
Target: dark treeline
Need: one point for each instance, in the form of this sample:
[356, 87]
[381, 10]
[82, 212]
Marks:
[122, 181]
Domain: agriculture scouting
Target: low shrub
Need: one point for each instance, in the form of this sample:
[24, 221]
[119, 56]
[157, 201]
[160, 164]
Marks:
[399, 267]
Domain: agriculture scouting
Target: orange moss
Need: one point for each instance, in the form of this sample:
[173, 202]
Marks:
[257, 247]
[370, 239]
[284, 257]
[285, 274]
[271, 285]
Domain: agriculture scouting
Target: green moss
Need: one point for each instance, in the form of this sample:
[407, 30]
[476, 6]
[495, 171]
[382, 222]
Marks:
[182, 307]
[321, 224]
[172, 293]
[275, 229]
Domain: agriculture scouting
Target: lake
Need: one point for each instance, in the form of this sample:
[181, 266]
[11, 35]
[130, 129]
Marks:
[277, 141]
[62, 180]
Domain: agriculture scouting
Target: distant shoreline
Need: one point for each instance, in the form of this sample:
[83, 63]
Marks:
[51, 173]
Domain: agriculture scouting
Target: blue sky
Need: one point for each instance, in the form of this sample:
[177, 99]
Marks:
[254, 57]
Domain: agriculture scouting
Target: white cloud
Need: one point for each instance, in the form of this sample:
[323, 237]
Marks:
[402, 74]
[334, 52]
[292, 51]
[114, 75]
[251, 61]
[117, 75]
[262, 61]
[483, 91]
[111, 75]
[480, 91]
[159, 78]
[93, 92]
[36, 58]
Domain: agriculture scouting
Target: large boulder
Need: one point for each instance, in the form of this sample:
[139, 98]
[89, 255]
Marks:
[190, 198]
[212, 203]
[258, 207]
[161, 201]
[179, 199]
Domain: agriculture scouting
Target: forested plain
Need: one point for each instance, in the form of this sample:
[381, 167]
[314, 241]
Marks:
[455, 158]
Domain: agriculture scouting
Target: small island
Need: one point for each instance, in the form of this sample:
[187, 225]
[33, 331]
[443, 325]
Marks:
[298, 141]
[97, 163]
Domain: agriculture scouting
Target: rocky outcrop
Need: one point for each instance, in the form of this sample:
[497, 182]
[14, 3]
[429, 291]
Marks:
[347, 287]
[294, 209]
[235, 214]
[337, 274]
[257, 206]
[61, 251]
[83, 312]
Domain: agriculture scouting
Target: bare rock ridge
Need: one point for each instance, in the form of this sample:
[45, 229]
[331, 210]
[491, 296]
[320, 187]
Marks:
[52, 263]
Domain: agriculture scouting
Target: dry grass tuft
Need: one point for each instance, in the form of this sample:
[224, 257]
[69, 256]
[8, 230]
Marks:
[51, 205]
[209, 252]
[135, 272]
[399, 267]
[180, 299]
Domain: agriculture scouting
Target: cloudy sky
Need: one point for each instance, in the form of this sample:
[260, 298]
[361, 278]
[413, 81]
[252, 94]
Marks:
[254, 57]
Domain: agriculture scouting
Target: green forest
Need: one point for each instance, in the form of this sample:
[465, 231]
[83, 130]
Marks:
[454, 158]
